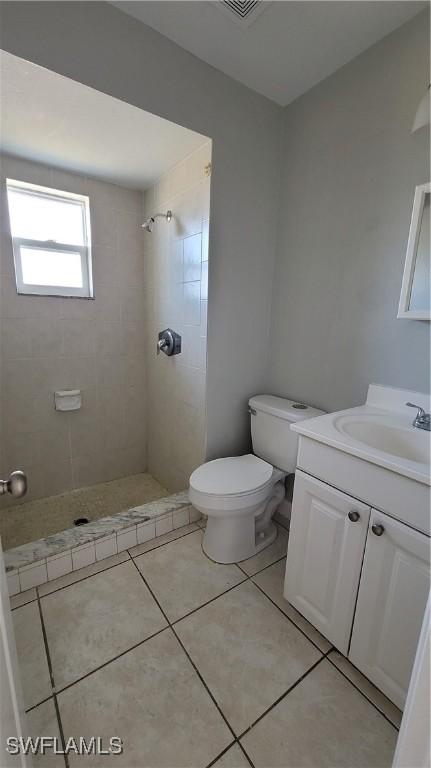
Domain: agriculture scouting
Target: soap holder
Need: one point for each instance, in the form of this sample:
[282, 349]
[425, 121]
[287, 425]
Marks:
[67, 400]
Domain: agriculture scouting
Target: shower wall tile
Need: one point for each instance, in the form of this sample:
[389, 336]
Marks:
[82, 556]
[50, 343]
[146, 531]
[176, 271]
[192, 258]
[33, 576]
[126, 539]
[13, 584]
[59, 565]
[164, 524]
[106, 547]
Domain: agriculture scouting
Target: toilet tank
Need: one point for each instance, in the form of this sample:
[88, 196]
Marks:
[272, 438]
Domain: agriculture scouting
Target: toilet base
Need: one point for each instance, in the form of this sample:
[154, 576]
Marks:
[231, 540]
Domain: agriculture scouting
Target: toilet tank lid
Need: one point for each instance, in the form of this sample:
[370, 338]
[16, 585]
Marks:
[291, 410]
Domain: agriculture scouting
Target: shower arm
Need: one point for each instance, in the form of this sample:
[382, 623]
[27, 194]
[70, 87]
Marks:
[151, 219]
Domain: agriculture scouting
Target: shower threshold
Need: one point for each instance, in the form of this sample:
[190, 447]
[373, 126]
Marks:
[40, 518]
[36, 562]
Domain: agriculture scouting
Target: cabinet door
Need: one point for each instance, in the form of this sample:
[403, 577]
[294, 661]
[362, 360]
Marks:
[391, 603]
[324, 556]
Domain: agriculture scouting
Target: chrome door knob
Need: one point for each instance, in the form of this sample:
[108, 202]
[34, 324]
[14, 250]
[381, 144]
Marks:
[377, 529]
[16, 485]
[353, 516]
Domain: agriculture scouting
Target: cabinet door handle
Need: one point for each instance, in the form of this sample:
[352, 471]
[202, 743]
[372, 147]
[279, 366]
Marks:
[377, 529]
[353, 516]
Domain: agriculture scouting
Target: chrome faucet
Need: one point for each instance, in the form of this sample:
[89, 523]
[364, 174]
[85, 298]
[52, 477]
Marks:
[422, 420]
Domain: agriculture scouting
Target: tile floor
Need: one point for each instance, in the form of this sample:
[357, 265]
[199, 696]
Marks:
[193, 664]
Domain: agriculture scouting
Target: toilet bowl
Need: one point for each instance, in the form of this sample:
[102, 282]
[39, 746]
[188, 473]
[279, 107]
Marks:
[240, 494]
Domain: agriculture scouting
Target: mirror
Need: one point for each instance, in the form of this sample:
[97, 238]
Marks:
[415, 301]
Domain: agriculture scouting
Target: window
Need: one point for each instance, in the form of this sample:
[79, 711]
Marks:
[51, 240]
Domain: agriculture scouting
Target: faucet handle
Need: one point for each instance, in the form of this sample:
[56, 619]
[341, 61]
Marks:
[420, 412]
[422, 419]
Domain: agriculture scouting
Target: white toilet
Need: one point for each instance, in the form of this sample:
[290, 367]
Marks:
[240, 494]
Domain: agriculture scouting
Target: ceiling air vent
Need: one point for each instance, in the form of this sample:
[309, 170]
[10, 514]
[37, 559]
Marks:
[243, 12]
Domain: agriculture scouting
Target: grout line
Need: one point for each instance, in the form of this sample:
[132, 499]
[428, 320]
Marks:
[265, 568]
[33, 600]
[208, 602]
[362, 692]
[35, 706]
[292, 622]
[51, 674]
[188, 655]
[84, 578]
[165, 543]
[246, 755]
[204, 684]
[45, 641]
[220, 754]
[108, 568]
[242, 570]
[172, 627]
[60, 726]
[109, 661]
[283, 696]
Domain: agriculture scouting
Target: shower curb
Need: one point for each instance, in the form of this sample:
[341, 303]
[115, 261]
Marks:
[38, 562]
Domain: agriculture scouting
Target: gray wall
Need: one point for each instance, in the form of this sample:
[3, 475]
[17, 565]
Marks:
[350, 167]
[98, 45]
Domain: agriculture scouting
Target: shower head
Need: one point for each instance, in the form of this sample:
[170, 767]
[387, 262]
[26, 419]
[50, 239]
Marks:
[149, 223]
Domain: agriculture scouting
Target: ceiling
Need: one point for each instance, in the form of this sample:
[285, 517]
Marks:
[289, 48]
[50, 119]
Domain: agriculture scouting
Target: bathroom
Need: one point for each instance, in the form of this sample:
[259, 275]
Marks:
[314, 179]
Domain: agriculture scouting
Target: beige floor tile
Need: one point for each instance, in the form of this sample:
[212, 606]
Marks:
[82, 573]
[271, 580]
[42, 721]
[183, 578]
[248, 653]
[233, 758]
[323, 722]
[152, 698]
[274, 552]
[22, 598]
[90, 622]
[147, 546]
[377, 697]
[32, 659]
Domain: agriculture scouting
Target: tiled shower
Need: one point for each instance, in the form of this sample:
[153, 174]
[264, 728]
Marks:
[142, 414]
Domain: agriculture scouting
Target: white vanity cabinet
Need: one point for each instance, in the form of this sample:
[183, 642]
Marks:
[327, 537]
[361, 578]
[392, 597]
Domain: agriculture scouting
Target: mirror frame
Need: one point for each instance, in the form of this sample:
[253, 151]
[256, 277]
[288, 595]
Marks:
[409, 266]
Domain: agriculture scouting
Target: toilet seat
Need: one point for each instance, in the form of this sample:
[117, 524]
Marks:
[232, 476]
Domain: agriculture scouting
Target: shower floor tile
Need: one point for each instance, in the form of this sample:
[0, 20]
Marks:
[43, 517]
[233, 683]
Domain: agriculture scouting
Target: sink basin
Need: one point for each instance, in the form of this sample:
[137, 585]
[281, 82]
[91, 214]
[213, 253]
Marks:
[409, 444]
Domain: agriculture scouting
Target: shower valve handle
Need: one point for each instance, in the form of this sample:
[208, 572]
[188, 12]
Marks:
[169, 342]
[16, 484]
[161, 344]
